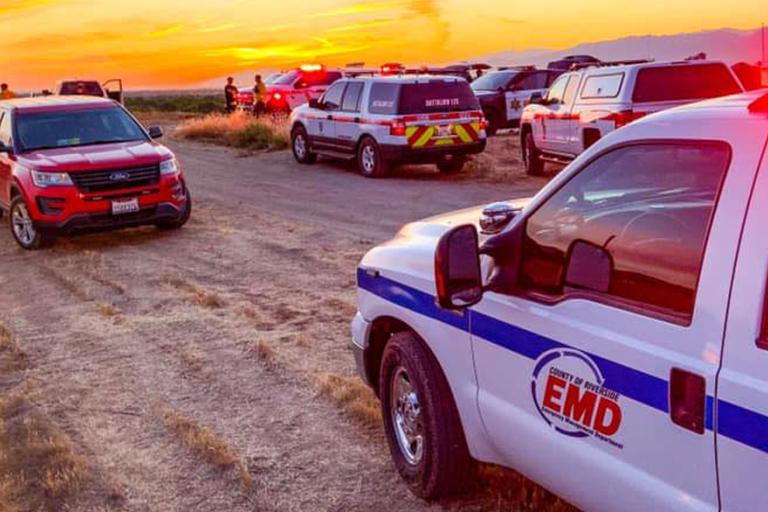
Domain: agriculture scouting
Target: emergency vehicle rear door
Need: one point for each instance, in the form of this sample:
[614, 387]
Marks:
[594, 373]
[742, 401]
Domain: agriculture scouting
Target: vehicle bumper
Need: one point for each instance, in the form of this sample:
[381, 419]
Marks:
[361, 330]
[89, 222]
[410, 155]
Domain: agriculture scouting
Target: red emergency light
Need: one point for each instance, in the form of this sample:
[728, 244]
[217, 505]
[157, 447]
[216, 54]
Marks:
[391, 69]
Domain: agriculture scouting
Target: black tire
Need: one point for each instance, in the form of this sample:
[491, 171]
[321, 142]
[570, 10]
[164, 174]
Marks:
[452, 164]
[28, 238]
[534, 165]
[492, 117]
[445, 466]
[300, 147]
[370, 161]
[183, 218]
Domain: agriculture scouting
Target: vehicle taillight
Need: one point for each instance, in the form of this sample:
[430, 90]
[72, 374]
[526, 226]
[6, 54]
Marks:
[483, 124]
[625, 117]
[397, 128]
[687, 397]
[277, 96]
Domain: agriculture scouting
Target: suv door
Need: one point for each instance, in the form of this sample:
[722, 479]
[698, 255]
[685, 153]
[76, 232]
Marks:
[347, 120]
[742, 400]
[6, 165]
[575, 349]
[322, 127]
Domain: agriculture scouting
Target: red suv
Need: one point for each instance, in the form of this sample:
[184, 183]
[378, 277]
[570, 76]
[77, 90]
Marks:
[70, 164]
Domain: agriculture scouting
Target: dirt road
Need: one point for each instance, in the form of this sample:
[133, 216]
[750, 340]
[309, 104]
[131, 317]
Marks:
[208, 369]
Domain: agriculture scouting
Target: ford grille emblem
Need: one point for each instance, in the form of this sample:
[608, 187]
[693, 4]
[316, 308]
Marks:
[119, 176]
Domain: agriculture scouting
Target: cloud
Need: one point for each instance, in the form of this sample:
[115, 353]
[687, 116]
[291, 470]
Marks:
[354, 27]
[14, 6]
[166, 30]
[218, 28]
[359, 8]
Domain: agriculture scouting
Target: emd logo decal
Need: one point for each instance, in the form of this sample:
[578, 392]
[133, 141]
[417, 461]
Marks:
[568, 391]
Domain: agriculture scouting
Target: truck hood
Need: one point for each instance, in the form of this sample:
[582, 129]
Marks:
[435, 227]
[84, 158]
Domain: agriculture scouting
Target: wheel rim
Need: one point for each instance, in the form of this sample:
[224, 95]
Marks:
[300, 145]
[22, 224]
[406, 417]
[369, 159]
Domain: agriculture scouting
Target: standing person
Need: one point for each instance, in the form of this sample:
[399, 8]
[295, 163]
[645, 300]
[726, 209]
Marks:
[230, 95]
[259, 97]
[6, 93]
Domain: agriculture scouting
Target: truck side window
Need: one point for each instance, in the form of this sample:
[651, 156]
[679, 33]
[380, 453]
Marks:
[557, 92]
[647, 208]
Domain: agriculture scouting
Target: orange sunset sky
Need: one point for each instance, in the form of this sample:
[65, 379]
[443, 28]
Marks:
[182, 43]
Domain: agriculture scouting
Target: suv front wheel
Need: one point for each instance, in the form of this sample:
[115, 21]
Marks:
[300, 146]
[23, 228]
[451, 164]
[370, 161]
[421, 421]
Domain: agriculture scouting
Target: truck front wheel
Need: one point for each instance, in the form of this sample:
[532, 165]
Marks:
[534, 165]
[421, 421]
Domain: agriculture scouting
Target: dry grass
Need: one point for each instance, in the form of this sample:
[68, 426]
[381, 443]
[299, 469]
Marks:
[501, 161]
[206, 443]
[351, 394]
[12, 357]
[108, 310]
[238, 130]
[265, 353]
[39, 467]
[200, 296]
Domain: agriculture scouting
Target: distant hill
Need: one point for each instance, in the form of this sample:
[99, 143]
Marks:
[726, 44]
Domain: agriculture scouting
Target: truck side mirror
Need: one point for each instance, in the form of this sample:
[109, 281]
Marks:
[536, 99]
[315, 103]
[5, 148]
[589, 267]
[155, 132]
[457, 269]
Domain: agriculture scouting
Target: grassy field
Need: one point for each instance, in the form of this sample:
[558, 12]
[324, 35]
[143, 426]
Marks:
[190, 104]
[238, 130]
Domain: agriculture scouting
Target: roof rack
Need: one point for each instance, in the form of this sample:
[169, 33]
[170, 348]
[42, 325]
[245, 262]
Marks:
[525, 67]
[583, 65]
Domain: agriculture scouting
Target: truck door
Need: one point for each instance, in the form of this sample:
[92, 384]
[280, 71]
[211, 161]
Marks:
[322, 127]
[554, 123]
[347, 120]
[597, 354]
[742, 401]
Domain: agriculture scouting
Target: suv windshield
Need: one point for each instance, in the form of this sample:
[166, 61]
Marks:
[66, 129]
[684, 82]
[437, 96]
[493, 81]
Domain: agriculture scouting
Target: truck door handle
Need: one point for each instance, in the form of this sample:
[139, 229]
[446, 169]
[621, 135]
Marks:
[687, 400]
[357, 120]
[330, 117]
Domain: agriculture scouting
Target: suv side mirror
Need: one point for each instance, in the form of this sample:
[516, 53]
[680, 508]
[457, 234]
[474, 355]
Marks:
[315, 103]
[155, 132]
[457, 269]
[589, 267]
[5, 148]
[536, 99]
[301, 85]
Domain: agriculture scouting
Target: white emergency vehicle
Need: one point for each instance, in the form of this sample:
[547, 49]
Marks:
[504, 93]
[389, 120]
[607, 338]
[586, 104]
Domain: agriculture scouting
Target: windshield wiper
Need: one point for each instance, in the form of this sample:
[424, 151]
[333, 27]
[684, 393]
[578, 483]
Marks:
[103, 142]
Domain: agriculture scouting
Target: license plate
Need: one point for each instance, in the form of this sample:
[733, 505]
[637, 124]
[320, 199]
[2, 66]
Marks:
[123, 206]
[444, 131]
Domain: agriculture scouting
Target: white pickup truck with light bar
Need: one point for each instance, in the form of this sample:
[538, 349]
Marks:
[389, 120]
[607, 338]
[586, 104]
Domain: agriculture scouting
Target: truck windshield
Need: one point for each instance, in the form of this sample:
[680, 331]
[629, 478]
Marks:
[74, 128]
[437, 96]
[493, 81]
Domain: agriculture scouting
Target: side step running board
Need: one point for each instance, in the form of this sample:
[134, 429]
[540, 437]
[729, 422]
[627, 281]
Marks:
[560, 160]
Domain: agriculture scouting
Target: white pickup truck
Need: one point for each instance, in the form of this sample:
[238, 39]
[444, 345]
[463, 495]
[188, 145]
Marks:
[607, 338]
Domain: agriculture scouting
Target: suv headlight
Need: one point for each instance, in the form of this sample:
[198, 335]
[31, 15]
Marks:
[169, 167]
[44, 179]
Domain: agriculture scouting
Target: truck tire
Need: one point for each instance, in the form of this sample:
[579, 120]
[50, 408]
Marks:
[494, 122]
[421, 421]
[22, 228]
[186, 214]
[534, 165]
[370, 161]
[300, 146]
[452, 164]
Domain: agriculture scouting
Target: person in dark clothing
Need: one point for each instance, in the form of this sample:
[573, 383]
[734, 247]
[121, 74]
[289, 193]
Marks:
[230, 94]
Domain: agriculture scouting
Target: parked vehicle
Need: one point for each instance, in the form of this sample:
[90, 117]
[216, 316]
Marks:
[583, 106]
[297, 87]
[568, 62]
[245, 99]
[112, 89]
[84, 163]
[385, 121]
[611, 330]
[504, 94]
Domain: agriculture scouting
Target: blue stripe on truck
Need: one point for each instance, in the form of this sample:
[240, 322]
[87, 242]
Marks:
[735, 422]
